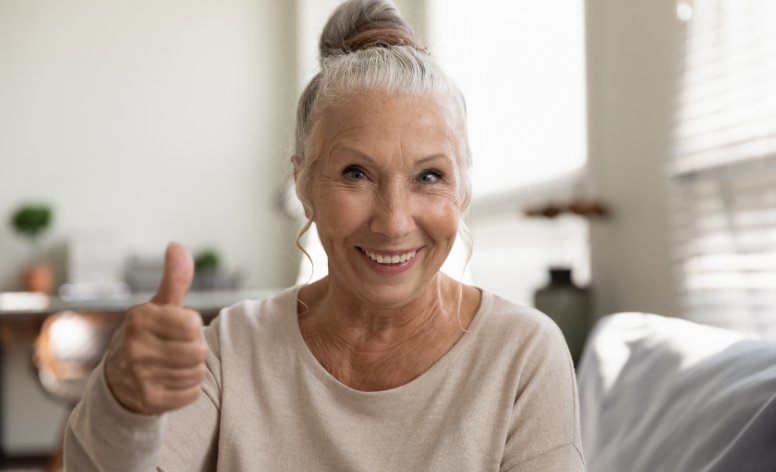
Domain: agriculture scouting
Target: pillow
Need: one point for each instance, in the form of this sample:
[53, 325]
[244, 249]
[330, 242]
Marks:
[665, 394]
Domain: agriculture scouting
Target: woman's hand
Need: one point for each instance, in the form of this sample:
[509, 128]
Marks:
[156, 361]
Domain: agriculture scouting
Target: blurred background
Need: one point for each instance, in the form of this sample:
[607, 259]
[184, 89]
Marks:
[624, 161]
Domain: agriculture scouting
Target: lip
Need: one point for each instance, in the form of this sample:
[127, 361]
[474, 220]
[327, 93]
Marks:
[389, 252]
[393, 269]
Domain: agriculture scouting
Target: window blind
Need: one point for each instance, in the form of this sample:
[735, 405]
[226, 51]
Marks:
[723, 165]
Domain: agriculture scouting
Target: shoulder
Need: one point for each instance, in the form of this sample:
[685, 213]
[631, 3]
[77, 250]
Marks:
[249, 320]
[528, 352]
[518, 323]
[522, 340]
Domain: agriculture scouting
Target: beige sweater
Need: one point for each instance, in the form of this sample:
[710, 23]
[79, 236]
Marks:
[502, 399]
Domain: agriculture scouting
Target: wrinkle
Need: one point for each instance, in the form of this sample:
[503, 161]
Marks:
[376, 353]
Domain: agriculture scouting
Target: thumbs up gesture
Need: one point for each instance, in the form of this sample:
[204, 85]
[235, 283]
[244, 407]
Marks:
[156, 361]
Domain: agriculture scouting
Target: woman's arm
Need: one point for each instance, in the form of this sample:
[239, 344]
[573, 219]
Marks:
[102, 435]
[544, 432]
[156, 393]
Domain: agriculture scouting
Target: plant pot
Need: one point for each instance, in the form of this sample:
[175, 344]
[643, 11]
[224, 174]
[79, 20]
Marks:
[38, 278]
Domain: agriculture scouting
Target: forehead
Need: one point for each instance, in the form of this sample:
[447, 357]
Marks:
[424, 124]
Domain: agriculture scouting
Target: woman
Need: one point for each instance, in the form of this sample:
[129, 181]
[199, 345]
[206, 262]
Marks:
[386, 363]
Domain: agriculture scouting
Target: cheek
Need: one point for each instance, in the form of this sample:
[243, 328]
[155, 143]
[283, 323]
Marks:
[340, 212]
[441, 218]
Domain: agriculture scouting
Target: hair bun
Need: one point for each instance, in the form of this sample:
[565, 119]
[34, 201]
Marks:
[362, 24]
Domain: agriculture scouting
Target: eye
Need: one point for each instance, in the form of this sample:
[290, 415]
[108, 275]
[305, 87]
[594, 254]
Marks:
[354, 173]
[430, 176]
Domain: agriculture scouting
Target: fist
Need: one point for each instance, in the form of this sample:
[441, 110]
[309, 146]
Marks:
[156, 361]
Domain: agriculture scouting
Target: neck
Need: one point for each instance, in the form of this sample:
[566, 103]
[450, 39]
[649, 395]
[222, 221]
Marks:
[375, 348]
[352, 322]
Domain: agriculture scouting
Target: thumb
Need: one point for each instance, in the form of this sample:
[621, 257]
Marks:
[178, 274]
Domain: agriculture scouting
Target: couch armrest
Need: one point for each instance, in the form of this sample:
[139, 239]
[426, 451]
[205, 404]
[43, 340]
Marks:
[660, 393]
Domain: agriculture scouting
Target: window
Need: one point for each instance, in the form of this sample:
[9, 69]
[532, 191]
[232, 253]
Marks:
[723, 164]
[521, 67]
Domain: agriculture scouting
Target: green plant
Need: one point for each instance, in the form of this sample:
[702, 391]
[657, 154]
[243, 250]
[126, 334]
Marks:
[206, 259]
[32, 220]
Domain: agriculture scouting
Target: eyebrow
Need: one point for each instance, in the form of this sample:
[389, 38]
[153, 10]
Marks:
[369, 159]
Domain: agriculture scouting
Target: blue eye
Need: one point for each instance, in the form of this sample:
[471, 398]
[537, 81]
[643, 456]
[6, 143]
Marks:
[354, 173]
[430, 176]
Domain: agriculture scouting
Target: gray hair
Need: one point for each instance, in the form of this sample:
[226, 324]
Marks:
[367, 46]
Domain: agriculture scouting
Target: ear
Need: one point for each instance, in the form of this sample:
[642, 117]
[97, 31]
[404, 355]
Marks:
[296, 161]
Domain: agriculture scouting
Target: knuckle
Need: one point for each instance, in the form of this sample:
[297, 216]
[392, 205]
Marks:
[201, 351]
[195, 317]
[192, 325]
[200, 373]
[185, 322]
[189, 332]
[133, 351]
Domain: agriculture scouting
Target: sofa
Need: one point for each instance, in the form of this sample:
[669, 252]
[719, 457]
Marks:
[665, 394]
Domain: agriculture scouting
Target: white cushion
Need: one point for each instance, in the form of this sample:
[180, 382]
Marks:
[664, 394]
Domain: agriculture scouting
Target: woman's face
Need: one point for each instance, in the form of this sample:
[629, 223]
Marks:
[387, 194]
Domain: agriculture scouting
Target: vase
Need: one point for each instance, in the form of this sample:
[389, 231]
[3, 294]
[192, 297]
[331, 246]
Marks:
[569, 306]
[38, 277]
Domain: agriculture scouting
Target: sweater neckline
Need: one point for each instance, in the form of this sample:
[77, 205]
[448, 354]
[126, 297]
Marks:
[431, 375]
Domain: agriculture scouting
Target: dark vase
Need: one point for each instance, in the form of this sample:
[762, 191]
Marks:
[567, 305]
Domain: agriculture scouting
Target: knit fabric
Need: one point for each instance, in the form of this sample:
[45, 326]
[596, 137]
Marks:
[503, 398]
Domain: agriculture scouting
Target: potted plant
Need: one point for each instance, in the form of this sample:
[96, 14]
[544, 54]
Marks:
[206, 265]
[31, 221]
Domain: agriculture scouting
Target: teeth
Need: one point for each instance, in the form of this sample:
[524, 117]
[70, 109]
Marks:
[397, 259]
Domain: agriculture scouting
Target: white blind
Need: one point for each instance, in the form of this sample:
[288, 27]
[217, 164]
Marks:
[723, 165]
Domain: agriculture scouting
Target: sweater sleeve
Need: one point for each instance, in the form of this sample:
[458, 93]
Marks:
[544, 431]
[102, 435]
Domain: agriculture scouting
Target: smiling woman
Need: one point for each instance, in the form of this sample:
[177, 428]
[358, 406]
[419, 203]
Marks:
[384, 364]
[388, 184]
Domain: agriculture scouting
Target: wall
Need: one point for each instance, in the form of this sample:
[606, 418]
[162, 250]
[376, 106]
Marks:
[631, 71]
[158, 120]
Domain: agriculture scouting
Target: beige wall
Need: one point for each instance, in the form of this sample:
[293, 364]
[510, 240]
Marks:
[631, 68]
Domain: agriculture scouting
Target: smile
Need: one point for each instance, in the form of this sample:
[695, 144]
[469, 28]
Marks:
[389, 258]
[390, 263]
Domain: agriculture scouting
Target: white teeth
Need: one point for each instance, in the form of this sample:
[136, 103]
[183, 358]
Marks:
[397, 259]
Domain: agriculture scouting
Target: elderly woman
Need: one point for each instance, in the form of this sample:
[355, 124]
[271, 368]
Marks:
[386, 363]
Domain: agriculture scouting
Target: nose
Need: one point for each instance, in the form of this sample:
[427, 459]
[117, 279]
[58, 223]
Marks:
[393, 213]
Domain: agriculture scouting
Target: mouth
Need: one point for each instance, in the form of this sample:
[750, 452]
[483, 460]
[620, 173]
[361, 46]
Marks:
[389, 262]
[389, 257]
